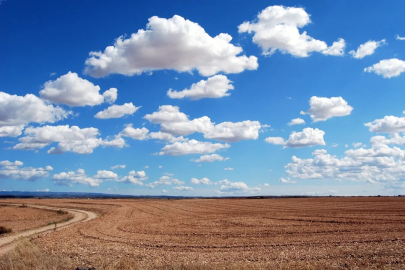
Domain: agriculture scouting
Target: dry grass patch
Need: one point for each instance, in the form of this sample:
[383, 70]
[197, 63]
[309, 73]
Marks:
[27, 256]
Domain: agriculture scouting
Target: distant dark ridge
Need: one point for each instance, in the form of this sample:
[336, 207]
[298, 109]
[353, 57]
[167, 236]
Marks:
[81, 195]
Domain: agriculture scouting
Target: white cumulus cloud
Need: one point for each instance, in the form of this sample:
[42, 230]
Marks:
[191, 147]
[388, 124]
[173, 43]
[277, 28]
[75, 139]
[210, 158]
[117, 111]
[13, 170]
[134, 133]
[307, 137]
[202, 181]
[72, 90]
[214, 87]
[387, 68]
[173, 121]
[337, 48]
[322, 108]
[296, 121]
[18, 111]
[367, 48]
[118, 167]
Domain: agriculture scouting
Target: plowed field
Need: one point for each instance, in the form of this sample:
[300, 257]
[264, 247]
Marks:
[23, 218]
[314, 233]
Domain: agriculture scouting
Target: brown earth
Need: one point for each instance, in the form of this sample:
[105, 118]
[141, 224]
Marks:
[20, 218]
[307, 233]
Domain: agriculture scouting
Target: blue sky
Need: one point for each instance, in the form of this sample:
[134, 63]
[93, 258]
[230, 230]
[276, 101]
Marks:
[267, 98]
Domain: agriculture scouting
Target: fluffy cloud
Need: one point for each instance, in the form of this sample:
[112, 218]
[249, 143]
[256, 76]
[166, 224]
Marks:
[72, 90]
[18, 111]
[275, 140]
[166, 137]
[78, 177]
[388, 68]
[296, 121]
[173, 43]
[307, 137]
[367, 48]
[322, 108]
[228, 187]
[229, 169]
[203, 181]
[75, 139]
[167, 114]
[389, 124]
[191, 147]
[214, 87]
[111, 95]
[201, 125]
[165, 180]
[13, 170]
[118, 167]
[134, 177]
[233, 132]
[210, 158]
[117, 111]
[287, 181]
[173, 121]
[183, 188]
[319, 152]
[277, 28]
[380, 163]
[134, 133]
[337, 48]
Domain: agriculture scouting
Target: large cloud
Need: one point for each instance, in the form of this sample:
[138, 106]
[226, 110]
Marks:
[13, 170]
[307, 137]
[388, 68]
[165, 180]
[18, 111]
[80, 177]
[75, 139]
[228, 187]
[173, 121]
[367, 48]
[322, 108]
[277, 28]
[134, 133]
[202, 181]
[191, 147]
[173, 43]
[72, 90]
[214, 87]
[378, 163]
[389, 124]
[167, 114]
[117, 111]
[233, 132]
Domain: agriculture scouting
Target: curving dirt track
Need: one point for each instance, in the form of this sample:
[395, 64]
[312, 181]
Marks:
[7, 242]
[315, 233]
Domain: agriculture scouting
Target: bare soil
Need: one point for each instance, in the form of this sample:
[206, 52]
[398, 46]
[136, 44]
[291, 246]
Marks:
[20, 218]
[308, 233]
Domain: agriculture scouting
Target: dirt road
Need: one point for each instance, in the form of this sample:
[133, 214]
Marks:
[7, 243]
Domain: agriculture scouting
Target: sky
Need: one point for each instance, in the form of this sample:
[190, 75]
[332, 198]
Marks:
[203, 98]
